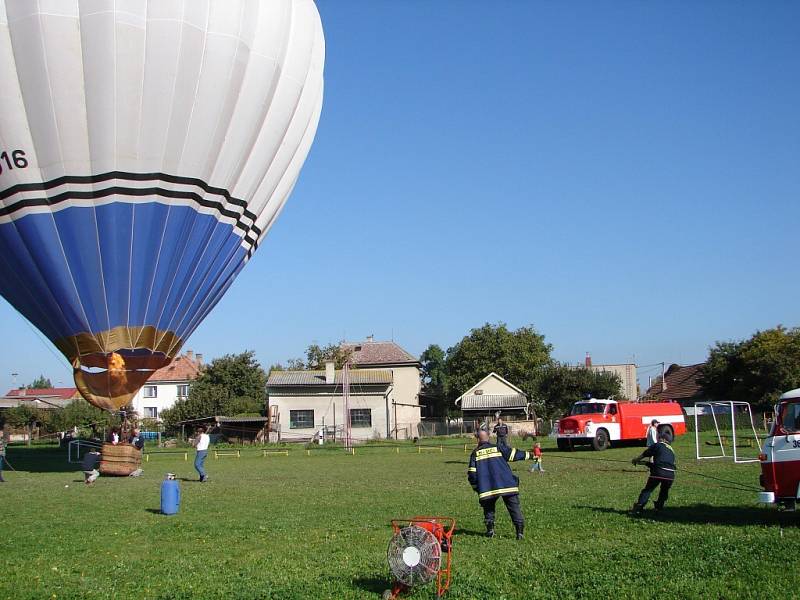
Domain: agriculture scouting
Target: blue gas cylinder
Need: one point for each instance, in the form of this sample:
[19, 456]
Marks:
[170, 495]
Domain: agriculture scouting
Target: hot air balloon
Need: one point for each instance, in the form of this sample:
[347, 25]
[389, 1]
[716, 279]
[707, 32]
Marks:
[146, 147]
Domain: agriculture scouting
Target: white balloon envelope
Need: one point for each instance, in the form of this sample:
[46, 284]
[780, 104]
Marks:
[146, 147]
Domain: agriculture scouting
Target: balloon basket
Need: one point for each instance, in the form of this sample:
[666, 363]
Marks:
[119, 460]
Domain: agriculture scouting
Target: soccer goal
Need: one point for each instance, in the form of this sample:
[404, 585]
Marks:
[727, 429]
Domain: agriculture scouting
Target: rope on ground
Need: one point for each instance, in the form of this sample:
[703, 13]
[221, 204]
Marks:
[739, 486]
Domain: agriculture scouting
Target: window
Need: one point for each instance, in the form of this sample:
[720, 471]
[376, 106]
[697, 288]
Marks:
[301, 419]
[150, 391]
[151, 412]
[360, 417]
[183, 390]
[790, 417]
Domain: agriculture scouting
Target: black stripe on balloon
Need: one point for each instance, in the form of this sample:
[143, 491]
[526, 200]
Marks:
[134, 192]
[126, 176]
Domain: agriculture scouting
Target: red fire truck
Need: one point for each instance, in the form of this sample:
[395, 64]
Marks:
[601, 422]
[780, 456]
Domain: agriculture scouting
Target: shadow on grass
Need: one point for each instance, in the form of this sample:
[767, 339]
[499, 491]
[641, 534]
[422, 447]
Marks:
[456, 462]
[469, 533]
[374, 584]
[153, 511]
[705, 514]
[49, 459]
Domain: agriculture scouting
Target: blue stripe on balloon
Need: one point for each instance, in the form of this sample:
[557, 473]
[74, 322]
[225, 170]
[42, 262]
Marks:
[74, 270]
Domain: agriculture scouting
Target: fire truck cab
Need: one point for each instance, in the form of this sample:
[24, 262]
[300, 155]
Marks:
[601, 422]
[780, 456]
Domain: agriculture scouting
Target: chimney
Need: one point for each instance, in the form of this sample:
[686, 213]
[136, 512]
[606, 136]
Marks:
[200, 358]
[588, 360]
[330, 371]
[370, 338]
[189, 354]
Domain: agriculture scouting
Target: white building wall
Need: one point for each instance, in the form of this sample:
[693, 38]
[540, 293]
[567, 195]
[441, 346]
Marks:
[329, 410]
[166, 396]
[405, 390]
[627, 373]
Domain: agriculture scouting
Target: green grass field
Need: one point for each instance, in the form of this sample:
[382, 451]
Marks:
[317, 527]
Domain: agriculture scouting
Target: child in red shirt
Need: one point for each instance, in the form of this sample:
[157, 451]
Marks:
[537, 458]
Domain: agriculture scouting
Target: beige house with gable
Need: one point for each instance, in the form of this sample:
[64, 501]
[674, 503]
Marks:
[491, 395]
[384, 395]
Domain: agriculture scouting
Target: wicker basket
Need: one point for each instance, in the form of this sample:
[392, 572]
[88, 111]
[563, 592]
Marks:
[120, 460]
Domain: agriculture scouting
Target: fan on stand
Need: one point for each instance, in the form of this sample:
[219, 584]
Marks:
[420, 552]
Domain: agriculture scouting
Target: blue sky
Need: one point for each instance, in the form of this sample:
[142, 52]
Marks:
[625, 176]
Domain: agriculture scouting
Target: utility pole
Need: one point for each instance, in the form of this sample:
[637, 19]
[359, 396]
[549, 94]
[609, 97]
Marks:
[663, 378]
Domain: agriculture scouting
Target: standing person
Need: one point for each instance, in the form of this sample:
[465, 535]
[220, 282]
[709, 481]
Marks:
[3, 444]
[501, 431]
[201, 442]
[537, 458]
[652, 433]
[492, 478]
[662, 472]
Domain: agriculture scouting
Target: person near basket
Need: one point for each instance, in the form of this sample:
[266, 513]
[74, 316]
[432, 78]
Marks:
[136, 439]
[662, 473]
[491, 477]
[201, 442]
[89, 466]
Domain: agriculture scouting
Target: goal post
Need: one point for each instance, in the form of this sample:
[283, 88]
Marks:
[734, 427]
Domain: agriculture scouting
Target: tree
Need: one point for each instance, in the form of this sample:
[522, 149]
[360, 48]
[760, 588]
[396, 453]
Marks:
[316, 357]
[40, 383]
[518, 356]
[561, 385]
[239, 374]
[757, 370]
[434, 379]
[233, 385]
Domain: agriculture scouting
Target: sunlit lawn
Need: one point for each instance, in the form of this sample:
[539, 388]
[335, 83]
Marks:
[317, 527]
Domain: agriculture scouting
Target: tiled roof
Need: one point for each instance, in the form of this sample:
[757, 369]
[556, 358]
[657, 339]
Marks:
[377, 353]
[682, 384]
[44, 402]
[305, 378]
[489, 401]
[184, 368]
[60, 393]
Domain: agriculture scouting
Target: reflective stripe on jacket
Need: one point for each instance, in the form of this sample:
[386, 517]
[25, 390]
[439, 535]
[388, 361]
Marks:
[489, 473]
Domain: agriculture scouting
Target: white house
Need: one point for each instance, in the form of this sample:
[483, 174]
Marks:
[491, 395]
[167, 385]
[384, 395]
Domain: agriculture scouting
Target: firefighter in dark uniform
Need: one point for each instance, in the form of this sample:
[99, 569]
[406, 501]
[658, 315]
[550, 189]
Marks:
[501, 431]
[662, 472]
[492, 478]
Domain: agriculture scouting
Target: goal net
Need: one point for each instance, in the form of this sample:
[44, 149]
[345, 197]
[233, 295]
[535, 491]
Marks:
[725, 430]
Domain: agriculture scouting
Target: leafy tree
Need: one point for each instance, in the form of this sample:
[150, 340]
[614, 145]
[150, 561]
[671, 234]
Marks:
[519, 356]
[82, 415]
[233, 385]
[316, 357]
[41, 382]
[434, 379]
[560, 385]
[239, 374]
[757, 370]
[24, 415]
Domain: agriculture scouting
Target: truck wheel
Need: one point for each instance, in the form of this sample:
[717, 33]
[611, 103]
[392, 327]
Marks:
[601, 441]
[563, 444]
[667, 431]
